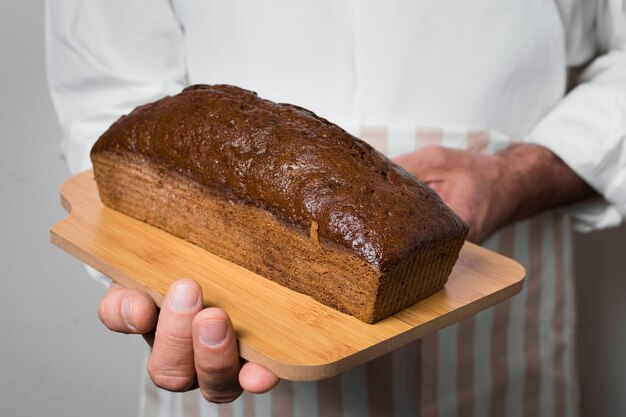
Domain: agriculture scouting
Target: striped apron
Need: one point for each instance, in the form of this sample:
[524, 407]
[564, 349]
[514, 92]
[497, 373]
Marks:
[514, 359]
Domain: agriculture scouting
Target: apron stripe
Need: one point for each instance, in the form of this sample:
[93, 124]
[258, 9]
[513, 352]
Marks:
[477, 140]
[482, 363]
[191, 406]
[531, 326]
[413, 386]
[559, 343]
[263, 403]
[419, 400]
[516, 358]
[354, 392]
[400, 141]
[151, 404]
[376, 136]
[149, 408]
[380, 386]
[427, 137]
[502, 312]
[329, 397]
[404, 377]
[446, 381]
[248, 404]
[305, 399]
[515, 141]
[239, 407]
[282, 399]
[225, 410]
[454, 138]
[465, 366]
[207, 409]
[429, 358]
[547, 306]
[572, 399]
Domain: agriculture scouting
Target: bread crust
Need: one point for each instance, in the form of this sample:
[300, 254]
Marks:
[297, 200]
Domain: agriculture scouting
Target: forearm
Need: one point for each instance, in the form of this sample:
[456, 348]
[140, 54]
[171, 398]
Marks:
[587, 128]
[537, 180]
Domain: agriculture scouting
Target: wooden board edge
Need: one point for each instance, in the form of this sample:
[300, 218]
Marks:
[296, 372]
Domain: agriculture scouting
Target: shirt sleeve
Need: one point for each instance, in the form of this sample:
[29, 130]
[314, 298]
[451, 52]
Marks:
[587, 129]
[105, 57]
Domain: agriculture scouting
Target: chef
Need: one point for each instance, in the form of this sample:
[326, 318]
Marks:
[514, 111]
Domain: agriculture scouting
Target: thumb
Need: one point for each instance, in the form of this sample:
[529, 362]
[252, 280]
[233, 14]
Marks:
[216, 356]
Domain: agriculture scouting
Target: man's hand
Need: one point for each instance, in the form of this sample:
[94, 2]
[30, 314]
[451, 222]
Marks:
[469, 183]
[488, 192]
[192, 347]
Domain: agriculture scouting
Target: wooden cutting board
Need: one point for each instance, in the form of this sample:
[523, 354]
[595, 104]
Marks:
[291, 334]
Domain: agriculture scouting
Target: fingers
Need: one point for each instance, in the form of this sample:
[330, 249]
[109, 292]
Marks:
[257, 379]
[171, 363]
[216, 356]
[191, 346]
[127, 311]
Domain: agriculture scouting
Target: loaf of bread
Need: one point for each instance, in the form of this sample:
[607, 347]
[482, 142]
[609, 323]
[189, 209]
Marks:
[284, 193]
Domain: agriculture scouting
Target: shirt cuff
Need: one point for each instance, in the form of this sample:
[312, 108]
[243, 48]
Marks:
[587, 130]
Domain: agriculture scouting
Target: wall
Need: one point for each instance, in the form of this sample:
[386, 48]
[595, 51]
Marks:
[58, 360]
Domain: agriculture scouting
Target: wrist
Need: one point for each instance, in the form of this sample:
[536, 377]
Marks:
[534, 179]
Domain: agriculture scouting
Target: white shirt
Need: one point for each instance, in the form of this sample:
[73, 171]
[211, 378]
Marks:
[485, 65]
[400, 74]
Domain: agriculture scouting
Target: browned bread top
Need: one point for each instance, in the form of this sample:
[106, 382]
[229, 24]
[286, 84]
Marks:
[308, 172]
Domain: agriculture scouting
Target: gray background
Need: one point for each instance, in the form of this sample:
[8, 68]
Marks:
[56, 359]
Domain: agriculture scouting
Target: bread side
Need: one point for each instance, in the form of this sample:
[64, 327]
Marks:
[302, 203]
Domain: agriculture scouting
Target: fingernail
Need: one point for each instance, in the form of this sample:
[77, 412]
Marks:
[184, 298]
[212, 333]
[127, 313]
